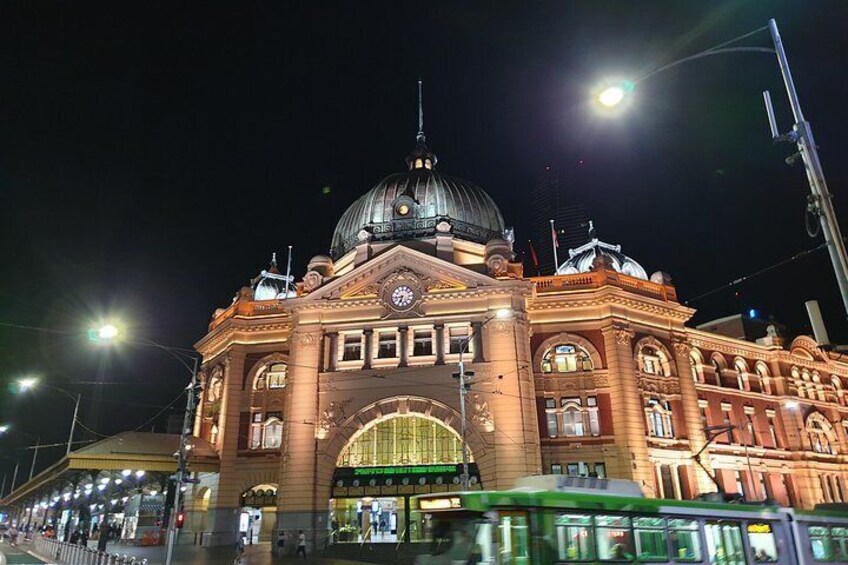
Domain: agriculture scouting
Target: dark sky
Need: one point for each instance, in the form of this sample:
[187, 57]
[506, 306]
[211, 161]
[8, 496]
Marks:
[153, 155]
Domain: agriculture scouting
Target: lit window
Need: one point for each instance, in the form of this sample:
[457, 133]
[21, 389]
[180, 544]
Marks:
[659, 418]
[566, 358]
[272, 436]
[275, 377]
[255, 430]
[652, 361]
[601, 470]
[459, 340]
[821, 434]
[352, 347]
[213, 434]
[387, 345]
[551, 417]
[572, 417]
[422, 342]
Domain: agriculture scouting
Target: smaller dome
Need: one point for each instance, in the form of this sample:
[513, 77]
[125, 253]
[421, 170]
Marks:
[271, 285]
[583, 259]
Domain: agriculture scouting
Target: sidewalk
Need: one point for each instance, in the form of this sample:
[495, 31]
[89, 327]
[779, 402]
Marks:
[259, 554]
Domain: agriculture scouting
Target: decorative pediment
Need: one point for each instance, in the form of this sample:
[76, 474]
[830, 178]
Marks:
[422, 273]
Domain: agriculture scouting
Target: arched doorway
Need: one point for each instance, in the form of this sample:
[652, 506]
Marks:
[257, 515]
[391, 458]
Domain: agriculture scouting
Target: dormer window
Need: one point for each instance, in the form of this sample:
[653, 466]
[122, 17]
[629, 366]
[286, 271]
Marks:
[428, 164]
[402, 209]
[419, 163]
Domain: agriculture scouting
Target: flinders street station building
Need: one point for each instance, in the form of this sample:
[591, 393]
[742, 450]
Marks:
[330, 401]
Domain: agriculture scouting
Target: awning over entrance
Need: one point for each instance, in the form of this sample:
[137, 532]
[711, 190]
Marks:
[399, 480]
[129, 450]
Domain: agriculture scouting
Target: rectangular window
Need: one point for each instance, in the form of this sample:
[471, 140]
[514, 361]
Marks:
[685, 541]
[763, 484]
[276, 376]
[594, 421]
[255, 430]
[459, 340]
[352, 347]
[552, 424]
[667, 481]
[726, 422]
[725, 538]
[422, 342]
[556, 469]
[613, 537]
[772, 431]
[573, 470]
[514, 536]
[572, 423]
[820, 543]
[387, 345]
[651, 542]
[761, 539]
[704, 421]
[601, 470]
[650, 364]
[574, 537]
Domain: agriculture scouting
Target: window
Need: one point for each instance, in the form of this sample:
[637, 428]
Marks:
[213, 434]
[592, 411]
[422, 342]
[763, 484]
[763, 545]
[255, 430]
[556, 469]
[727, 423]
[840, 542]
[601, 470]
[717, 371]
[574, 537]
[572, 417]
[685, 539]
[725, 538]
[573, 469]
[614, 541]
[741, 371]
[659, 418]
[514, 536]
[387, 345]
[667, 482]
[737, 477]
[550, 415]
[352, 347]
[459, 340]
[704, 420]
[649, 535]
[819, 436]
[274, 376]
[695, 368]
[273, 433]
[566, 358]
[772, 429]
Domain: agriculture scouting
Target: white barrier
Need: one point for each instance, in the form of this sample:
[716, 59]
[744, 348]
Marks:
[71, 554]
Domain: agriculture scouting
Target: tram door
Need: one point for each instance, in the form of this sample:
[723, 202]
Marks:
[514, 538]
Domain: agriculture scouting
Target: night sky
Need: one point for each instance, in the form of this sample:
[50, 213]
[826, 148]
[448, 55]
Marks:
[153, 156]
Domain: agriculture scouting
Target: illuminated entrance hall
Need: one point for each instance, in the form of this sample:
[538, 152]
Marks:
[386, 462]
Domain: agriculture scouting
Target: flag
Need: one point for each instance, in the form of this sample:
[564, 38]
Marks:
[554, 234]
[533, 255]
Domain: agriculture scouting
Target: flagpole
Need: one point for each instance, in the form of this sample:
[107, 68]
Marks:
[554, 244]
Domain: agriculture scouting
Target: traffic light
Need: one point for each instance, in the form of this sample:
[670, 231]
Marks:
[180, 520]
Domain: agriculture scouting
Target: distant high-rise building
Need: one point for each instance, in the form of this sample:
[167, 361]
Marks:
[550, 199]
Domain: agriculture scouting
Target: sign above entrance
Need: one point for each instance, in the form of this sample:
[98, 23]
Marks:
[400, 470]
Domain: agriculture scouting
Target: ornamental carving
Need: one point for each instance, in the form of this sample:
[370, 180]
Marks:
[303, 339]
[681, 346]
[332, 417]
[482, 415]
[497, 265]
[312, 280]
[623, 335]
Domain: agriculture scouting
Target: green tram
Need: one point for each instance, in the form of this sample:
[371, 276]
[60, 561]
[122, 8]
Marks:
[558, 519]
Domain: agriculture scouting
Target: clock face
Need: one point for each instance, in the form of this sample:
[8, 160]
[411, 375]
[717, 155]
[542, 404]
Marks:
[402, 296]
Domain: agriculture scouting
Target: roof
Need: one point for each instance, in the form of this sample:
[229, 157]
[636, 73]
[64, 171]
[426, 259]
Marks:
[127, 450]
[583, 259]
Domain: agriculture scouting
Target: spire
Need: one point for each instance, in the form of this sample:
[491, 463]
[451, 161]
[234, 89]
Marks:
[273, 267]
[420, 138]
[421, 157]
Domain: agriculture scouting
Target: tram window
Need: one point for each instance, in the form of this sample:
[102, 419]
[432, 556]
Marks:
[514, 538]
[840, 543]
[650, 538]
[613, 538]
[763, 545]
[724, 543]
[685, 539]
[574, 537]
[820, 543]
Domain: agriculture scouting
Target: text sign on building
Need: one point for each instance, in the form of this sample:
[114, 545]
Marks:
[411, 470]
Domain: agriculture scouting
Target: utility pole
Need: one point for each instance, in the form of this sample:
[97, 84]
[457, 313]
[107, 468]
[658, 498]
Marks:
[181, 476]
[73, 424]
[821, 200]
[34, 456]
[463, 391]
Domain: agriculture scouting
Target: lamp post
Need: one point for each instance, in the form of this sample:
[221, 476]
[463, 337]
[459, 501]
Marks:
[501, 314]
[110, 333]
[31, 383]
[5, 428]
[14, 475]
[820, 200]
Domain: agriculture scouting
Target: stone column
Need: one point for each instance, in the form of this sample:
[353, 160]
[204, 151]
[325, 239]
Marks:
[403, 345]
[333, 353]
[224, 502]
[629, 424]
[477, 343]
[694, 427]
[440, 344]
[303, 489]
[368, 354]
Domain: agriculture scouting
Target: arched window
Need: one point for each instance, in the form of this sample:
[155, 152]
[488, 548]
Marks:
[272, 438]
[763, 378]
[652, 361]
[659, 418]
[820, 432]
[271, 377]
[266, 433]
[695, 367]
[717, 367]
[566, 358]
[741, 372]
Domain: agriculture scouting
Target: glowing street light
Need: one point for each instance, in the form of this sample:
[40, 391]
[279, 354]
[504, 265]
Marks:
[105, 333]
[27, 383]
[4, 428]
[611, 96]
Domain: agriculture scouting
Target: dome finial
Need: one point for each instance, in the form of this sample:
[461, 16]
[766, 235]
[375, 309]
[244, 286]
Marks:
[420, 137]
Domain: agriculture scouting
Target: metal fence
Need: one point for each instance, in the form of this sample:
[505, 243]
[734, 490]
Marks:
[70, 554]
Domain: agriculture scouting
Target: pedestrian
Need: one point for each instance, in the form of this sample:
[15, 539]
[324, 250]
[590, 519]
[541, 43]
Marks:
[105, 531]
[84, 537]
[301, 544]
[75, 536]
[281, 542]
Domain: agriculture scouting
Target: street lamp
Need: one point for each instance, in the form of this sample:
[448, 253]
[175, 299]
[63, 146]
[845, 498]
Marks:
[31, 383]
[821, 200]
[500, 314]
[109, 332]
[5, 428]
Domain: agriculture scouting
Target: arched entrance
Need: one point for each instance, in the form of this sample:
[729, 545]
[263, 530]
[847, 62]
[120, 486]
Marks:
[258, 513]
[385, 462]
